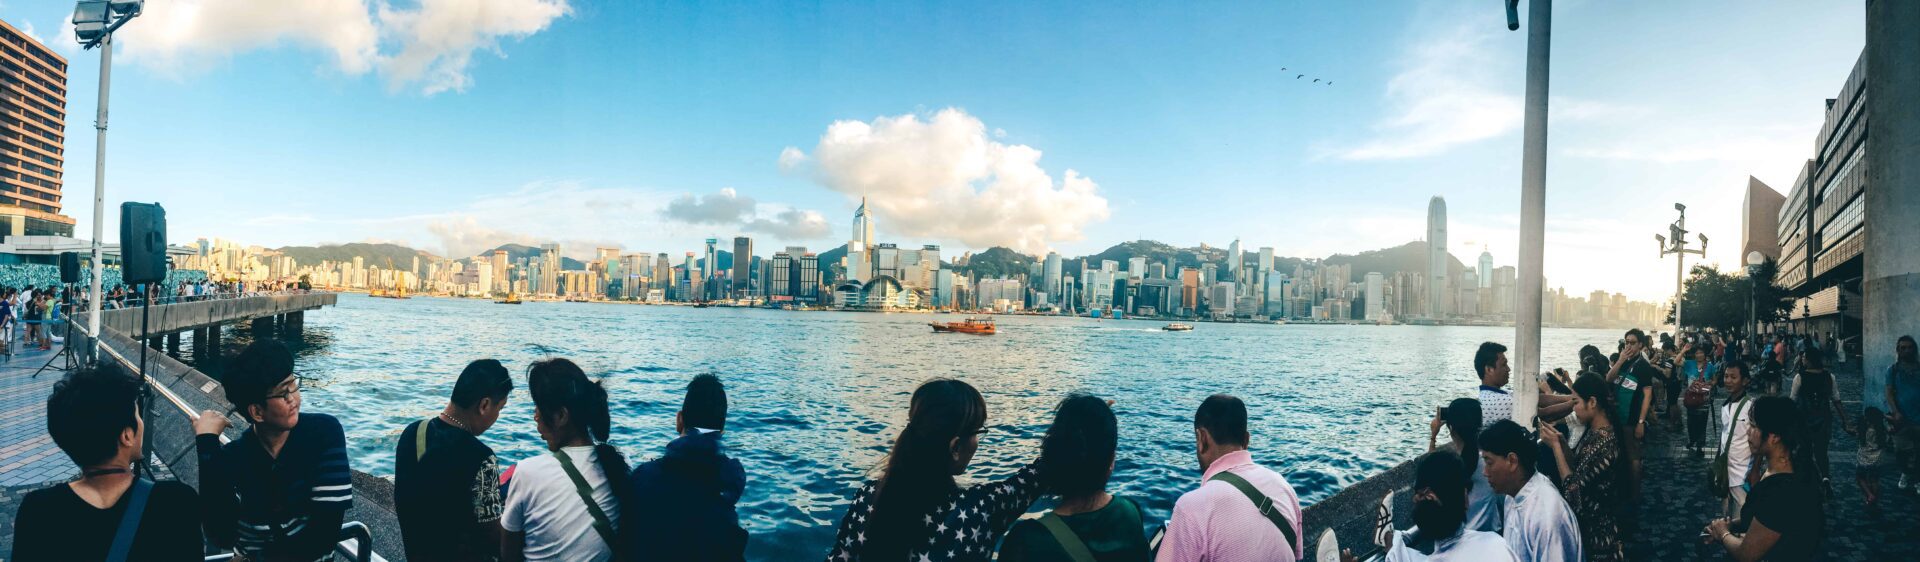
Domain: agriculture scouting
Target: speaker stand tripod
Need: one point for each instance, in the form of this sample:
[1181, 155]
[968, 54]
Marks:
[66, 344]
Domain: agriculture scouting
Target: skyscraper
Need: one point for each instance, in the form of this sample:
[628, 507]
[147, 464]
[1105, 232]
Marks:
[550, 268]
[1437, 295]
[1486, 268]
[1051, 281]
[1233, 260]
[862, 227]
[1376, 295]
[742, 259]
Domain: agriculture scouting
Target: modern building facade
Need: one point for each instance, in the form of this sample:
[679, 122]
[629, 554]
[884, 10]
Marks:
[742, 262]
[1822, 224]
[32, 136]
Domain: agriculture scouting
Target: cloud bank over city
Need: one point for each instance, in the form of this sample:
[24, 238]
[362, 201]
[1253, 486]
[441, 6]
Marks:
[943, 176]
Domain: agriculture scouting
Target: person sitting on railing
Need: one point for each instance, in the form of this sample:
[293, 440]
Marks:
[94, 416]
[689, 494]
[281, 490]
[567, 505]
[1539, 525]
[446, 482]
[1440, 533]
[1089, 523]
[1241, 511]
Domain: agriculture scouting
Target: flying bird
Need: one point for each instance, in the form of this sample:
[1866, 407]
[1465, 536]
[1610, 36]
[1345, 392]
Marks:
[1316, 80]
[1329, 82]
[1298, 77]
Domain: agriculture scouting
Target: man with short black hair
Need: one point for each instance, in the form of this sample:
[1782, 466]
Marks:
[1439, 516]
[686, 499]
[94, 416]
[281, 490]
[1241, 511]
[446, 483]
[1540, 527]
[1490, 364]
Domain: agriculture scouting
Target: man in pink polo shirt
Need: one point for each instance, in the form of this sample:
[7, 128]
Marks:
[1242, 511]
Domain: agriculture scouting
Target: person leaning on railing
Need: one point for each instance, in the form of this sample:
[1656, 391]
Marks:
[281, 490]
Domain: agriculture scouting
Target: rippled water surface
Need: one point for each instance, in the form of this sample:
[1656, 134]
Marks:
[816, 396]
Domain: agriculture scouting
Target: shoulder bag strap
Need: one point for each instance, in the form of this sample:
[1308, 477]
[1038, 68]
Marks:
[1261, 502]
[1069, 542]
[1733, 422]
[130, 521]
[420, 439]
[600, 521]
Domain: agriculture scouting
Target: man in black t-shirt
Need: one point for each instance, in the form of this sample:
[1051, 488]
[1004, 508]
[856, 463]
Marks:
[446, 482]
[94, 416]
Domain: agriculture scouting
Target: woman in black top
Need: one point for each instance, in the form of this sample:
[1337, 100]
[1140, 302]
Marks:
[94, 416]
[1077, 458]
[915, 510]
[1813, 392]
[1784, 516]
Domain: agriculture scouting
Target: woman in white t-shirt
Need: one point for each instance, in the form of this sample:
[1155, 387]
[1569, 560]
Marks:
[547, 515]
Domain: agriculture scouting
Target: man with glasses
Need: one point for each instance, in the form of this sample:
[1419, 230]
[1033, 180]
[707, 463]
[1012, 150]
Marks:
[1903, 400]
[281, 490]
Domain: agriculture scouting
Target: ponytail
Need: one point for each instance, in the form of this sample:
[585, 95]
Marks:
[558, 384]
[919, 470]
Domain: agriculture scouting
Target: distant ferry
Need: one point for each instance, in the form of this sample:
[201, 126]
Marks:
[969, 326]
[1178, 327]
[511, 299]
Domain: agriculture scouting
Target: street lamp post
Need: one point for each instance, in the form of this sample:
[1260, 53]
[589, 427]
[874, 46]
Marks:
[1678, 247]
[1754, 260]
[1533, 205]
[94, 22]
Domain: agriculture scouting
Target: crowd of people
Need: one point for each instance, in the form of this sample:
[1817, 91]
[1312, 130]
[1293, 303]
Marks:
[1565, 489]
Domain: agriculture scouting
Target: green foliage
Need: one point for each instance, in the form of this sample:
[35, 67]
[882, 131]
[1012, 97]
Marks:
[997, 262]
[1411, 256]
[1721, 301]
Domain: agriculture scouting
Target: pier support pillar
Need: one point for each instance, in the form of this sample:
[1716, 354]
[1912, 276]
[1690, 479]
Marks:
[1891, 283]
[199, 343]
[263, 327]
[213, 348]
[173, 344]
[293, 323]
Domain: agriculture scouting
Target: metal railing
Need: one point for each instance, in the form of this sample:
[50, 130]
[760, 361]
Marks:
[355, 541]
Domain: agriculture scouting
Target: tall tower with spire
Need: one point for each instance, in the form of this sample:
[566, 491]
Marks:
[859, 260]
[1486, 268]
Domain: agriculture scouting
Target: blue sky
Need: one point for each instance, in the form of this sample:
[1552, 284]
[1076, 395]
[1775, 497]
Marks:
[453, 125]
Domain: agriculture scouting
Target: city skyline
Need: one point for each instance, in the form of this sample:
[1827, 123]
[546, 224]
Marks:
[1154, 144]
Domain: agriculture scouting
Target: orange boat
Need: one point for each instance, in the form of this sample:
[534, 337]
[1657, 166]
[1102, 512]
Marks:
[968, 326]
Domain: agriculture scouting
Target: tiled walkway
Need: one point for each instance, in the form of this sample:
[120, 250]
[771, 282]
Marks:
[1675, 504]
[27, 454]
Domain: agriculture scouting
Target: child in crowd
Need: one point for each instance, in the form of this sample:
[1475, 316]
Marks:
[1872, 433]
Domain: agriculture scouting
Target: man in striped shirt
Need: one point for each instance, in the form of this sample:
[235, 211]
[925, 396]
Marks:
[281, 490]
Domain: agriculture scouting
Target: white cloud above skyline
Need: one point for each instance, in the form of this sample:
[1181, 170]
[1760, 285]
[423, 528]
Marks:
[942, 177]
[429, 46]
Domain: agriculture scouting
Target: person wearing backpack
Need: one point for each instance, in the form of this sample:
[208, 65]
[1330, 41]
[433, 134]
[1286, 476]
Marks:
[566, 504]
[1813, 394]
[1089, 524]
[1242, 511]
[109, 513]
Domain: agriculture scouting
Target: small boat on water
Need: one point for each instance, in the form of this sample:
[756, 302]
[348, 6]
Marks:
[511, 299]
[981, 326]
[1178, 327]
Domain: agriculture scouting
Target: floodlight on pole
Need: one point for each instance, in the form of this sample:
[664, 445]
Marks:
[94, 22]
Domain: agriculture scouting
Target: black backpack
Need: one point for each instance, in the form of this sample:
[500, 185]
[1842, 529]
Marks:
[1815, 397]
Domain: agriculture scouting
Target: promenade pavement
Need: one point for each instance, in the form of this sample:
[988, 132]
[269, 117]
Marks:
[28, 458]
[1675, 504]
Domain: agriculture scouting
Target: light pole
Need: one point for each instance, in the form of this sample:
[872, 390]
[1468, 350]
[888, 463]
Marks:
[1754, 260]
[1533, 205]
[1678, 247]
[94, 22]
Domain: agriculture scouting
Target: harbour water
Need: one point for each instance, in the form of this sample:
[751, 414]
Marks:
[817, 396]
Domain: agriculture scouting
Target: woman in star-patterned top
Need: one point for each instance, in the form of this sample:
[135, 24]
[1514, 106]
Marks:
[915, 512]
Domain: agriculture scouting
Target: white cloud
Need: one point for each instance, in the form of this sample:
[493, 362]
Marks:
[183, 36]
[725, 207]
[429, 46]
[942, 177]
[1443, 96]
[437, 41]
[791, 159]
[791, 224]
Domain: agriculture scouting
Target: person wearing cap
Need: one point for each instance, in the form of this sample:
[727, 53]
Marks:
[685, 499]
[446, 483]
[281, 490]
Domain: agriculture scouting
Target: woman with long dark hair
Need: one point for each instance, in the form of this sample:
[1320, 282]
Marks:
[1784, 518]
[1813, 392]
[1591, 476]
[1077, 458]
[1462, 418]
[915, 508]
[565, 505]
